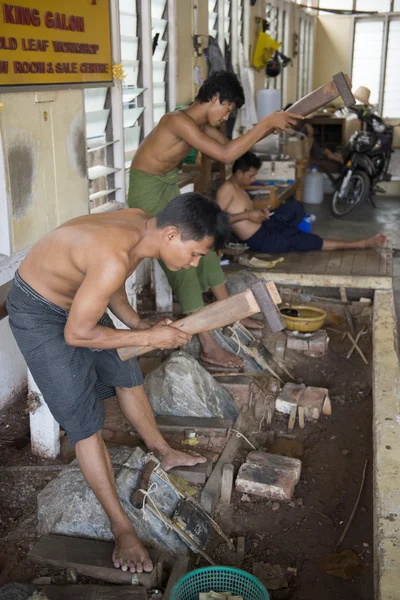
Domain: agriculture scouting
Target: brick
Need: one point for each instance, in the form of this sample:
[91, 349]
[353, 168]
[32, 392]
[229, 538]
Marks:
[289, 396]
[281, 464]
[293, 395]
[314, 346]
[227, 484]
[313, 400]
[264, 481]
[273, 477]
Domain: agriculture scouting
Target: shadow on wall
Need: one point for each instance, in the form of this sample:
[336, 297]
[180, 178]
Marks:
[77, 145]
[23, 170]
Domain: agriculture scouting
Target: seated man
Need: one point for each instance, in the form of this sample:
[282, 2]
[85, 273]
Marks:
[154, 182]
[57, 308]
[277, 232]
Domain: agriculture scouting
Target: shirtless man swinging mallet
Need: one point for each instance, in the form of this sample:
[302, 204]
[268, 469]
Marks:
[57, 308]
[154, 182]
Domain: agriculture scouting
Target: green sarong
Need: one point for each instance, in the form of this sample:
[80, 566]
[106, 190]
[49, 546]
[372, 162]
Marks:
[152, 193]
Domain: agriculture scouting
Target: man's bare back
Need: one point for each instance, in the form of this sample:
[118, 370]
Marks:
[235, 201]
[57, 265]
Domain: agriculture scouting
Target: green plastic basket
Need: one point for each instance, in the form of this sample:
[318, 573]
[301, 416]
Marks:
[219, 579]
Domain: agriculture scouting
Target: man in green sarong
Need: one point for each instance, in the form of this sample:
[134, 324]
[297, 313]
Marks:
[154, 183]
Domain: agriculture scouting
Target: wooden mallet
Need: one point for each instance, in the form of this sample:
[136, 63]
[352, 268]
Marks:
[260, 297]
[339, 86]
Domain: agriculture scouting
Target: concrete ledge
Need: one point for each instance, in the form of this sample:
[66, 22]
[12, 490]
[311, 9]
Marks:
[386, 434]
[314, 280]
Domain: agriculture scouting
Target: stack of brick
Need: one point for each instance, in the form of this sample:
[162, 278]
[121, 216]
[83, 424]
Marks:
[314, 400]
[269, 475]
[314, 346]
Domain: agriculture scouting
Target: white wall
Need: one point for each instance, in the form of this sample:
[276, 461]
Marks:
[13, 373]
[43, 183]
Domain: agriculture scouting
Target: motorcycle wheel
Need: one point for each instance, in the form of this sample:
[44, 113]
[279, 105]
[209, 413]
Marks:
[357, 192]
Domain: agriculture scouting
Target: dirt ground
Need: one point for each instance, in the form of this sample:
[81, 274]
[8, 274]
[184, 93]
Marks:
[296, 536]
[335, 450]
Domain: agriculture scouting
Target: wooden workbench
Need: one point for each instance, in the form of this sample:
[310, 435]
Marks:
[276, 195]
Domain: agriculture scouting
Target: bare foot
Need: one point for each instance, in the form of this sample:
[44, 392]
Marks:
[252, 323]
[175, 458]
[129, 554]
[376, 241]
[222, 358]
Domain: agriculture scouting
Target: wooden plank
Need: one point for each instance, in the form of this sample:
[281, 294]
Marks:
[389, 262]
[215, 315]
[383, 263]
[180, 568]
[347, 263]
[320, 264]
[212, 490]
[94, 592]
[92, 558]
[197, 474]
[373, 262]
[334, 262]
[208, 426]
[360, 262]
[4, 289]
[326, 280]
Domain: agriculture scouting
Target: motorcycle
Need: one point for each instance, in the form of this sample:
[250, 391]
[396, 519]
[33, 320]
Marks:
[366, 163]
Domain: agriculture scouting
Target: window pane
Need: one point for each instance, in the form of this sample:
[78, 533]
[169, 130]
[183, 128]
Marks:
[368, 42]
[396, 5]
[373, 5]
[337, 4]
[391, 99]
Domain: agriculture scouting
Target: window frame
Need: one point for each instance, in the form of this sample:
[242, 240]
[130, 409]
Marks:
[386, 18]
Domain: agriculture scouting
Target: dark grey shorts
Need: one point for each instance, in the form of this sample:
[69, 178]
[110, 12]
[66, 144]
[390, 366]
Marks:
[73, 381]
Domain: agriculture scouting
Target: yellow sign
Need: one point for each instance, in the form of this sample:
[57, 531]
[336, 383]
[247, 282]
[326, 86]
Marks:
[46, 42]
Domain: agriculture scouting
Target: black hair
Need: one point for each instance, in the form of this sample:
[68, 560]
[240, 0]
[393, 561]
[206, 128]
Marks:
[196, 217]
[246, 162]
[226, 85]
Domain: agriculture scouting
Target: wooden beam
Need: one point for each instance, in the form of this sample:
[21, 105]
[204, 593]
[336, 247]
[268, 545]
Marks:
[91, 558]
[180, 568]
[212, 490]
[94, 592]
[207, 426]
[364, 282]
[197, 474]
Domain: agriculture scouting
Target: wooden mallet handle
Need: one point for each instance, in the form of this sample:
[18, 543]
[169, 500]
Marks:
[219, 314]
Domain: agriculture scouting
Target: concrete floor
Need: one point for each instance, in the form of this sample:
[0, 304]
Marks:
[364, 222]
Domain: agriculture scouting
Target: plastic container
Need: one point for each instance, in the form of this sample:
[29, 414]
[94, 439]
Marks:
[313, 187]
[306, 224]
[219, 579]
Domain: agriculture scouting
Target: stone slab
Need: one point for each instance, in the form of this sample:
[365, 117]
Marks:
[67, 505]
[181, 387]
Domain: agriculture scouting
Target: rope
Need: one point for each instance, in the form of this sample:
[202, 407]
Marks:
[163, 475]
[240, 435]
[147, 497]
